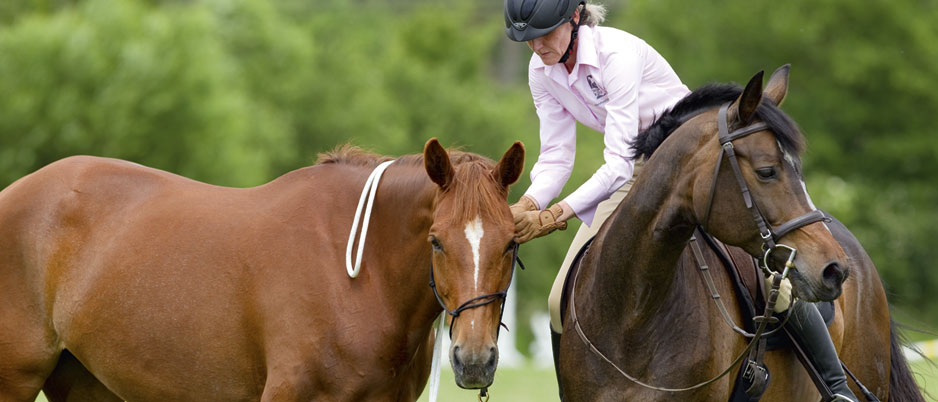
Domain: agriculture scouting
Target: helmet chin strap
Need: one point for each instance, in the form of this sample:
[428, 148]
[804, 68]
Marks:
[576, 26]
[566, 55]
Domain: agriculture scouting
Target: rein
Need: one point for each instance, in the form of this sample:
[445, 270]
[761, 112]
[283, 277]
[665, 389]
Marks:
[770, 244]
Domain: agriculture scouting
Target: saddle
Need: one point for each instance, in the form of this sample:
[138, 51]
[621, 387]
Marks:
[749, 290]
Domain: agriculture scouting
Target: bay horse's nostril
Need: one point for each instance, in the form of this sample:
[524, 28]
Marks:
[834, 274]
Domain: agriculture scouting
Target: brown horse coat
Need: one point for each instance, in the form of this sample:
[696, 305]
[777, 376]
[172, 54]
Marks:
[642, 305]
[164, 288]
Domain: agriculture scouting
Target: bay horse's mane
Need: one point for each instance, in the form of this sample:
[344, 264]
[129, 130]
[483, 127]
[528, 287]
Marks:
[471, 196]
[710, 96]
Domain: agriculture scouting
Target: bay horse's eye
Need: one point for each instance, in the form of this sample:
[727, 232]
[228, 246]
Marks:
[435, 243]
[766, 173]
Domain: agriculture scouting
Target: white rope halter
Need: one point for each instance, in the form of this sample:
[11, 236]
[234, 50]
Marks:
[371, 187]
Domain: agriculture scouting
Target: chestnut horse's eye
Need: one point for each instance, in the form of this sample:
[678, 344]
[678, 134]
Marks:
[435, 243]
[766, 173]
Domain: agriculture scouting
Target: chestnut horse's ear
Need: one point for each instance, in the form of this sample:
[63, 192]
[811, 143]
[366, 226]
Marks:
[436, 160]
[777, 87]
[509, 168]
[748, 102]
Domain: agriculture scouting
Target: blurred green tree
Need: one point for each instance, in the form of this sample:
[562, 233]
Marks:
[237, 92]
[864, 90]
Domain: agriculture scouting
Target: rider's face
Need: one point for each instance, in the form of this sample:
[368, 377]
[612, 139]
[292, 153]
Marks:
[552, 46]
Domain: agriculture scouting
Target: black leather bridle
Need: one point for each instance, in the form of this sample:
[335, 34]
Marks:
[770, 238]
[478, 301]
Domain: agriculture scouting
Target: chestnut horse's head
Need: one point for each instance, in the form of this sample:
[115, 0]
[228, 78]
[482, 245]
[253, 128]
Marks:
[473, 254]
[754, 150]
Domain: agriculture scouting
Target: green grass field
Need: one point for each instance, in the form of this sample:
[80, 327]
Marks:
[537, 385]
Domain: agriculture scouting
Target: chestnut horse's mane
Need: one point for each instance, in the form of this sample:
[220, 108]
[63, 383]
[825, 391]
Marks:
[475, 192]
[354, 155]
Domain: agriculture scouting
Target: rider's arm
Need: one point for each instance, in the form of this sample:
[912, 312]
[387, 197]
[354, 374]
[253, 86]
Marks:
[558, 143]
[622, 78]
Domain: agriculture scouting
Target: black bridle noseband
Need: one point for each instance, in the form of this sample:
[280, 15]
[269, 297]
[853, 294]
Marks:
[478, 301]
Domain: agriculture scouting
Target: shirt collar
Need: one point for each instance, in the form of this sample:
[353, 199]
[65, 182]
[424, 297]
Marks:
[586, 47]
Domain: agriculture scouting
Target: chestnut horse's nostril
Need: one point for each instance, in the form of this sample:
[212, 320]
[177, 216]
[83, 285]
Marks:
[493, 359]
[457, 363]
[834, 274]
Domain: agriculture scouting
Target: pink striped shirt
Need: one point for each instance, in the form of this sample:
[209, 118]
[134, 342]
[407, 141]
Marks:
[618, 86]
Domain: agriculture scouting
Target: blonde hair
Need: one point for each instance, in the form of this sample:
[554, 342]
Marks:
[592, 14]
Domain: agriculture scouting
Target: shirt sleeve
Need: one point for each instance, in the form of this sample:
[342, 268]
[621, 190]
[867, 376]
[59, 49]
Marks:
[558, 143]
[622, 76]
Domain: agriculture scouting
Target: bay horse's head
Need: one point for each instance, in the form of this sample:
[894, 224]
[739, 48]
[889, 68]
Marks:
[473, 254]
[750, 192]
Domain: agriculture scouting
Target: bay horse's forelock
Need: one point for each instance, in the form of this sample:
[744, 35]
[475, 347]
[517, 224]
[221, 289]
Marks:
[154, 287]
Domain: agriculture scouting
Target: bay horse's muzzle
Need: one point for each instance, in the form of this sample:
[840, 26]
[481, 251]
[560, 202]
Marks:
[474, 368]
[830, 286]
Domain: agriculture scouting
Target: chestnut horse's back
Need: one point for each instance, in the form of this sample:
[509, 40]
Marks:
[40, 231]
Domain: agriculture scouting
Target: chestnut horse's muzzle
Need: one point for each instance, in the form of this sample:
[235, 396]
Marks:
[474, 370]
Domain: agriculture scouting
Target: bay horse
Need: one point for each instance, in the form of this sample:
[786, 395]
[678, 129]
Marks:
[637, 300]
[122, 282]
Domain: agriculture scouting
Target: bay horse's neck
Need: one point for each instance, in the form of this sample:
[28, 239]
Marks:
[633, 279]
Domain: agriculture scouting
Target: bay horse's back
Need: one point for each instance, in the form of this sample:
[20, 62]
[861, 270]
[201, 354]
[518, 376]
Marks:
[871, 348]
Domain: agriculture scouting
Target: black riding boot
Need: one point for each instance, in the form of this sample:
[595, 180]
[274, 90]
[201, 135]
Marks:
[807, 328]
[555, 348]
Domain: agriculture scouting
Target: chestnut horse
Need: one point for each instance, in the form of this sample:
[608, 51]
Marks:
[122, 282]
[638, 301]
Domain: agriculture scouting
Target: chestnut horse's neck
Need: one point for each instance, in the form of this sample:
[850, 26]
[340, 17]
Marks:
[397, 245]
[396, 260]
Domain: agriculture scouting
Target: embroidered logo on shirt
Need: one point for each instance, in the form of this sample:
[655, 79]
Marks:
[598, 91]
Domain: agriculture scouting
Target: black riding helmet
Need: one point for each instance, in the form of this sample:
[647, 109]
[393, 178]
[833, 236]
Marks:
[529, 19]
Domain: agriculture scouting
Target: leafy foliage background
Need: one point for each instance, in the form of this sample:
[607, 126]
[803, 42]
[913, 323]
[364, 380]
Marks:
[237, 92]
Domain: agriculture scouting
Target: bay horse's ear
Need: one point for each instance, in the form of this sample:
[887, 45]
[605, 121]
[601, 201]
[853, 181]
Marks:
[436, 160]
[777, 87]
[748, 102]
[509, 168]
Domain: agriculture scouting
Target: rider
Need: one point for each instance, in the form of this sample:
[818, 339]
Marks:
[616, 84]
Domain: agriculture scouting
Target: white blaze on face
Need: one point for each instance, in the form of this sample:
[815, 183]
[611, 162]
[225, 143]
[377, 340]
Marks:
[786, 155]
[474, 234]
[808, 197]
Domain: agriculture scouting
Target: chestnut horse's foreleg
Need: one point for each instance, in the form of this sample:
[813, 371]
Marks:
[27, 351]
[23, 369]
